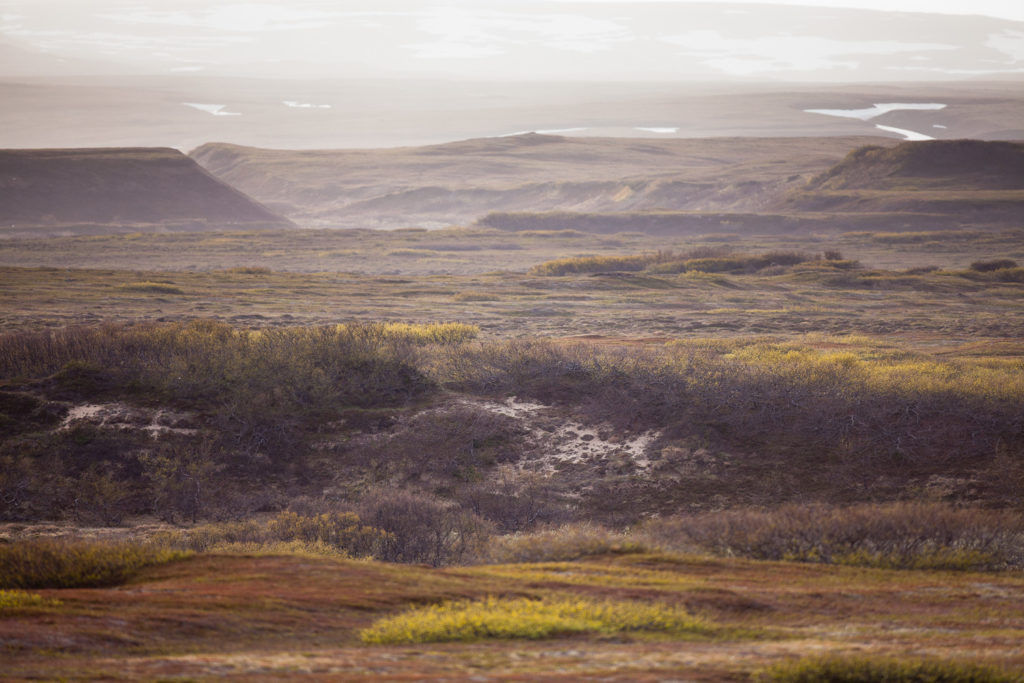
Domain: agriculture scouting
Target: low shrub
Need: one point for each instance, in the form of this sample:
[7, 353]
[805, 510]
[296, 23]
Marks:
[731, 263]
[882, 670]
[421, 529]
[50, 563]
[339, 534]
[299, 548]
[700, 259]
[841, 410]
[893, 536]
[16, 601]
[591, 264]
[153, 287]
[506, 618]
[994, 264]
[567, 542]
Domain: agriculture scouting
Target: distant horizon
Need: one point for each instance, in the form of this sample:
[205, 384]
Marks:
[824, 41]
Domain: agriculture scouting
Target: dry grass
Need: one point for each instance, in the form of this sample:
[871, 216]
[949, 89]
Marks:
[298, 618]
[889, 670]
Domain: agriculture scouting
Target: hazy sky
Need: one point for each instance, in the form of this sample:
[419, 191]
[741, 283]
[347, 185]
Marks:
[521, 39]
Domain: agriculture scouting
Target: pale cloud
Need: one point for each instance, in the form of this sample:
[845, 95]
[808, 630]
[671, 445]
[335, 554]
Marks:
[112, 42]
[452, 50]
[751, 56]
[461, 33]
[1004, 9]
[235, 17]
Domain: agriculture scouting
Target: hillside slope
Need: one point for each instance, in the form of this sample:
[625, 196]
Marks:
[459, 182]
[108, 190]
[966, 182]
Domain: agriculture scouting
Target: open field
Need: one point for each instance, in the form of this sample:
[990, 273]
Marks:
[776, 447]
[478, 276]
[281, 618]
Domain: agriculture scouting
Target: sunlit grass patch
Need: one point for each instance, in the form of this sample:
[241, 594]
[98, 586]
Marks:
[523, 618]
[882, 670]
[48, 563]
[17, 601]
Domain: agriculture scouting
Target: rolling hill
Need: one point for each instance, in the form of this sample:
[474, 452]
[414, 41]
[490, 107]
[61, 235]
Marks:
[459, 182]
[959, 182]
[113, 190]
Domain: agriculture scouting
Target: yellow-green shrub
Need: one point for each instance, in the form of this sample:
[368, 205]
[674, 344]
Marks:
[529, 619]
[49, 563]
[15, 600]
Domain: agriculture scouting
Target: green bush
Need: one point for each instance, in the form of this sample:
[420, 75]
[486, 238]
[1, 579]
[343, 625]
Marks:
[49, 563]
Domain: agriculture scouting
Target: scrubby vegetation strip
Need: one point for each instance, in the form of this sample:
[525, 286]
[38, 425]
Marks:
[890, 536]
[54, 563]
[875, 669]
[703, 260]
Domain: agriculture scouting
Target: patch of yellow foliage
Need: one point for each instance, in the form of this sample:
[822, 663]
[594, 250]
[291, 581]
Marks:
[504, 618]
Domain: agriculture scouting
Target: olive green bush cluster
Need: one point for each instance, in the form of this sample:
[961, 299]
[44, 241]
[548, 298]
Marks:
[56, 563]
[339, 534]
[205, 362]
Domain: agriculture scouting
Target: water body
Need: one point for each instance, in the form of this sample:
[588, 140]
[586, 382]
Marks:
[907, 134]
[878, 110]
[668, 131]
[304, 105]
[215, 109]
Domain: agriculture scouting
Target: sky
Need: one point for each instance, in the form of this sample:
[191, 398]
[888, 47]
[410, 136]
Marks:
[521, 39]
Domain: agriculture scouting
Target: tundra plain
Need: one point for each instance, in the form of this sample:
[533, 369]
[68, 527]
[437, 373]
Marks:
[234, 455]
